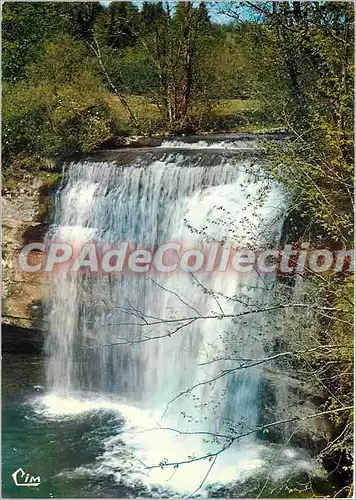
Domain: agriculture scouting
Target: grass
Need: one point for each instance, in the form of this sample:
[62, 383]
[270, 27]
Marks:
[146, 112]
[244, 115]
[232, 107]
[229, 115]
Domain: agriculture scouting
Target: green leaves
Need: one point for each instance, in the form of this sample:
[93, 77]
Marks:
[61, 107]
[25, 29]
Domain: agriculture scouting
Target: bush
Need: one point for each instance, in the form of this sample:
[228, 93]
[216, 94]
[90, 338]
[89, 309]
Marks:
[59, 109]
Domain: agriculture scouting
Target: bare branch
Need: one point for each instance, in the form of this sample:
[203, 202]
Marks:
[176, 294]
[96, 49]
[229, 371]
[247, 433]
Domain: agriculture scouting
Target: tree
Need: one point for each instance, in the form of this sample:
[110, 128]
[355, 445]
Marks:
[306, 82]
[25, 28]
[60, 108]
[119, 25]
[175, 43]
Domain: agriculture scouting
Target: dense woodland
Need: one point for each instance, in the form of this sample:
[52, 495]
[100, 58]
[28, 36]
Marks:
[80, 75]
[76, 75]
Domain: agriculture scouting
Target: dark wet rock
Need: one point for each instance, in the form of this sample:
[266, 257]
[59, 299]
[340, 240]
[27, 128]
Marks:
[20, 340]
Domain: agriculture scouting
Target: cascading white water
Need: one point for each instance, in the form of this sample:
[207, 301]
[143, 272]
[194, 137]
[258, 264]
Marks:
[189, 197]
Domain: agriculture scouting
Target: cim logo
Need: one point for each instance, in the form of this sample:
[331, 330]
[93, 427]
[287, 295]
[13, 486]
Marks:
[22, 478]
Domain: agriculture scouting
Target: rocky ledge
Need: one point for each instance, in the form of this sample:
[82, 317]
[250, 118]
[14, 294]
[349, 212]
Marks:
[26, 217]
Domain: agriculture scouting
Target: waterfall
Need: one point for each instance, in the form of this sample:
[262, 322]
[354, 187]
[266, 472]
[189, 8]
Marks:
[98, 340]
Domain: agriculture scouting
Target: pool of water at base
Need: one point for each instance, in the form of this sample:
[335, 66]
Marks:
[80, 451]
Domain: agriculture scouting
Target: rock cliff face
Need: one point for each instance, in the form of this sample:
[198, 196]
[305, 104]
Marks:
[25, 216]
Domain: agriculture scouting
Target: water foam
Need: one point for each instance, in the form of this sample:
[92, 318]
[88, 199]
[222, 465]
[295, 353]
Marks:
[144, 440]
[236, 144]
